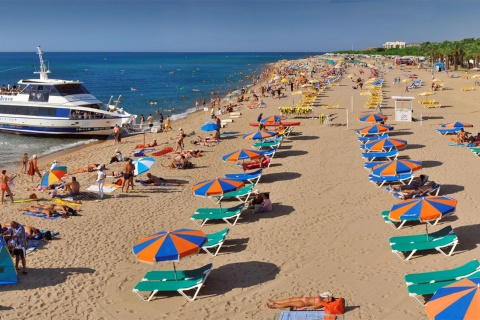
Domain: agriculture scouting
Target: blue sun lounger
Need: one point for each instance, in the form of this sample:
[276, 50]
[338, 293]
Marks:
[370, 165]
[366, 139]
[448, 131]
[372, 156]
[251, 177]
[380, 181]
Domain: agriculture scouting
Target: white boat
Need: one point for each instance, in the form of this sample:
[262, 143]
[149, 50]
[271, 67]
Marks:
[57, 108]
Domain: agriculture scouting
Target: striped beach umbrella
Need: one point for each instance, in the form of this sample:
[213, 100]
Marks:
[457, 301]
[259, 135]
[374, 129]
[243, 154]
[457, 124]
[372, 117]
[385, 144]
[422, 209]
[142, 165]
[53, 176]
[216, 187]
[396, 167]
[273, 118]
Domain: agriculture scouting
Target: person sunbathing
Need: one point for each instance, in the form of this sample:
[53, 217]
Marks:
[153, 180]
[258, 161]
[418, 192]
[462, 136]
[208, 141]
[49, 209]
[148, 145]
[88, 168]
[416, 183]
[302, 302]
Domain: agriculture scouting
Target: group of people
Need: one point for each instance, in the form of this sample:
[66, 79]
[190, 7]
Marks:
[260, 203]
[466, 137]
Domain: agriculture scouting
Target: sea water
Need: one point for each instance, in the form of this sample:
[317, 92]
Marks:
[148, 83]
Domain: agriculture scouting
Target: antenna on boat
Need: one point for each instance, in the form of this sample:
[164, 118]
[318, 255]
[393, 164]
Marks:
[43, 68]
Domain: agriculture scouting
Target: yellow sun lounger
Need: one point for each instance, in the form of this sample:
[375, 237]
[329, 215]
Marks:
[335, 106]
[468, 89]
[423, 101]
[432, 105]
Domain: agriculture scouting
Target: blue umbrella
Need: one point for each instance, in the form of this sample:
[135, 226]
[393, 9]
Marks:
[210, 127]
[142, 165]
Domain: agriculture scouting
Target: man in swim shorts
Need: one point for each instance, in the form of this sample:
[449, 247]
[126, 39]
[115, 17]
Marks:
[73, 187]
[4, 185]
[128, 171]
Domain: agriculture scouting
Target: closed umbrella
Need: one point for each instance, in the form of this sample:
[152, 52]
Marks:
[142, 165]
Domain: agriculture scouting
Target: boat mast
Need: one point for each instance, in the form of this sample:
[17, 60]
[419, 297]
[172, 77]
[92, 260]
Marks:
[43, 68]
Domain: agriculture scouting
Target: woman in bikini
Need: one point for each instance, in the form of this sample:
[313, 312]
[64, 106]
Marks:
[24, 162]
[4, 185]
[302, 302]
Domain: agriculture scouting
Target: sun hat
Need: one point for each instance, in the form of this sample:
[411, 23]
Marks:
[326, 294]
[34, 156]
[256, 191]
[117, 151]
[101, 166]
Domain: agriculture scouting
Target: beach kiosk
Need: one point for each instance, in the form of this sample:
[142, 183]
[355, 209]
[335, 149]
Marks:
[403, 108]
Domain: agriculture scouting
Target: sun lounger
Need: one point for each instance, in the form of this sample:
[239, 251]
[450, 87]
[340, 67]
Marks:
[203, 215]
[171, 275]
[242, 194]
[437, 240]
[432, 105]
[251, 177]
[215, 240]
[468, 89]
[267, 144]
[427, 283]
[398, 225]
[372, 156]
[251, 166]
[448, 131]
[380, 181]
[365, 139]
[186, 284]
[432, 190]
[426, 101]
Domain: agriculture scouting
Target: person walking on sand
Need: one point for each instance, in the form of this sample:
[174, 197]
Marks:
[101, 176]
[406, 87]
[167, 124]
[24, 162]
[128, 171]
[4, 183]
[150, 120]
[197, 105]
[33, 167]
[117, 134]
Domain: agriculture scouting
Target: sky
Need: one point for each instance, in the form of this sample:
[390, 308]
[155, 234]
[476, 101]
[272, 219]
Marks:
[230, 25]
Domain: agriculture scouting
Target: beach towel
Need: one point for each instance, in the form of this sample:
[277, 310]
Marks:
[34, 243]
[106, 189]
[27, 200]
[462, 145]
[163, 151]
[66, 202]
[81, 196]
[42, 215]
[140, 153]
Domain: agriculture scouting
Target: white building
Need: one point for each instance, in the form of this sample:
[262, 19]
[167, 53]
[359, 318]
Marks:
[394, 44]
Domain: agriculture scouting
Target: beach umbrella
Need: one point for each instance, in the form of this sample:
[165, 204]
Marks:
[259, 135]
[53, 176]
[273, 118]
[170, 245]
[457, 301]
[210, 127]
[396, 167]
[457, 124]
[242, 154]
[426, 93]
[142, 165]
[422, 209]
[374, 129]
[385, 144]
[216, 187]
[372, 117]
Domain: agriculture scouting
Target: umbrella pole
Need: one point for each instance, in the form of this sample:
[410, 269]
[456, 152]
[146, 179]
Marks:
[175, 271]
[426, 229]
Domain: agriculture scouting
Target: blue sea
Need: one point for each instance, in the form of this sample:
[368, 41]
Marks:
[174, 81]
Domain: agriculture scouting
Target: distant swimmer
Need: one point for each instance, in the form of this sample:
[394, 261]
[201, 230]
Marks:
[133, 89]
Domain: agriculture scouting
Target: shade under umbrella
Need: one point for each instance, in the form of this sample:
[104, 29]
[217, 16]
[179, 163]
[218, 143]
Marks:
[143, 165]
[53, 176]
[457, 301]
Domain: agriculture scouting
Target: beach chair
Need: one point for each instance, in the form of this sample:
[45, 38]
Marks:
[448, 131]
[202, 215]
[175, 275]
[365, 139]
[438, 240]
[398, 225]
[433, 190]
[250, 177]
[215, 240]
[242, 194]
[267, 144]
[432, 105]
[380, 181]
[427, 283]
[334, 106]
[186, 284]
[468, 89]
[372, 156]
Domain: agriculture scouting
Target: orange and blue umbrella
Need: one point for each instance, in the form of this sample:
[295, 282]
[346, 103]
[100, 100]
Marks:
[259, 135]
[372, 117]
[457, 301]
[216, 187]
[374, 129]
[396, 167]
[422, 209]
[273, 118]
[53, 176]
[243, 154]
[385, 144]
[457, 124]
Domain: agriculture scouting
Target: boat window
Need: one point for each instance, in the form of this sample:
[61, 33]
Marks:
[71, 88]
[2, 109]
[54, 92]
[10, 109]
[33, 89]
[39, 95]
[22, 110]
[32, 111]
[46, 93]
[49, 112]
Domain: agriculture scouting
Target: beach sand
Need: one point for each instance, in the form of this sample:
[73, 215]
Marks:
[324, 233]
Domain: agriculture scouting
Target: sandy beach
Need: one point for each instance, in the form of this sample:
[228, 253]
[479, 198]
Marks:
[325, 231]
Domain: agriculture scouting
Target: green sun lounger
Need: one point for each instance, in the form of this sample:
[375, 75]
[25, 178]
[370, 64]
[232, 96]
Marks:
[427, 283]
[438, 243]
[422, 237]
[226, 214]
[171, 275]
[267, 144]
[215, 240]
[398, 225]
[180, 286]
[241, 194]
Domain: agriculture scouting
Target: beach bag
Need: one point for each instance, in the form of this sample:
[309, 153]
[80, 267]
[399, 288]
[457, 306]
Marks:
[334, 307]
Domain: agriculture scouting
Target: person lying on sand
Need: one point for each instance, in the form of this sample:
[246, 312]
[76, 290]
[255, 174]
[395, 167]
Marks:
[153, 180]
[148, 145]
[49, 209]
[302, 302]
[88, 168]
